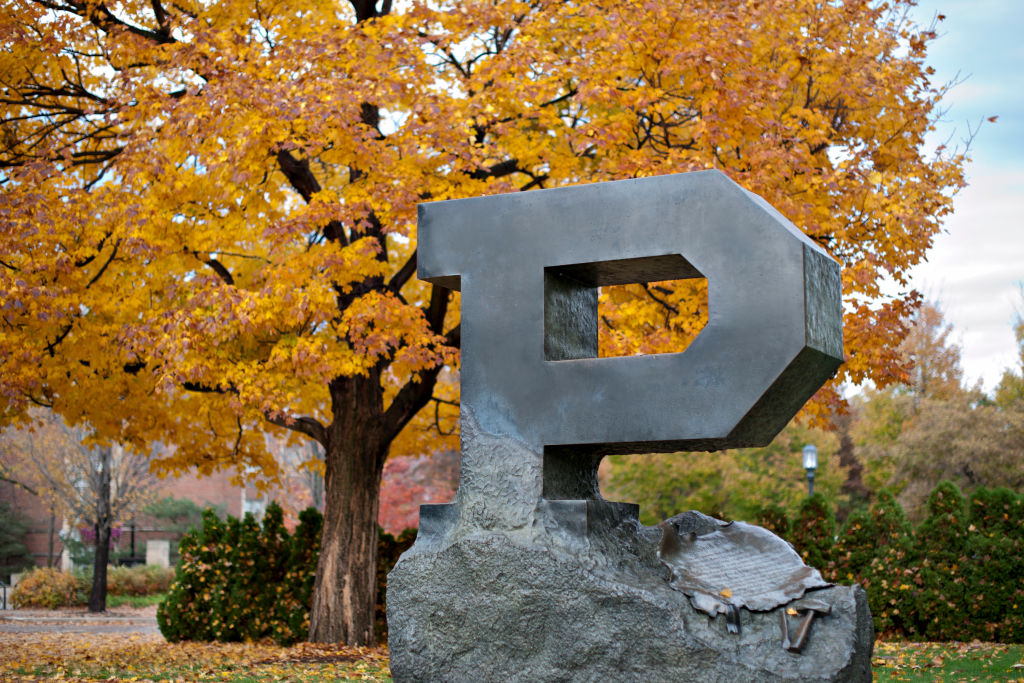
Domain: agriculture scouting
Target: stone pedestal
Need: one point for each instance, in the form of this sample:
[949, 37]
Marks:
[580, 595]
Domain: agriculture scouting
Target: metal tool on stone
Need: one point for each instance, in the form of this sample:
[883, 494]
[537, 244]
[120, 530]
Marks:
[810, 608]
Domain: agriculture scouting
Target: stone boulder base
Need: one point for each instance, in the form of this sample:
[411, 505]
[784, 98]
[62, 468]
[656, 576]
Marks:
[494, 607]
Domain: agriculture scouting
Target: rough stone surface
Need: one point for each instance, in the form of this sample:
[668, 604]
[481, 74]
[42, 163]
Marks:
[530, 606]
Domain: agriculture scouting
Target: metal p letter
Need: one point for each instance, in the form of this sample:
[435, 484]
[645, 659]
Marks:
[539, 409]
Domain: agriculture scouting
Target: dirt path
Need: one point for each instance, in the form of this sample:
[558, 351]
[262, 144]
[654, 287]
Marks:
[128, 620]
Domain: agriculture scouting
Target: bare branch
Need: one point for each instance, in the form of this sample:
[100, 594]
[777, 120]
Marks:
[19, 484]
[403, 275]
[309, 426]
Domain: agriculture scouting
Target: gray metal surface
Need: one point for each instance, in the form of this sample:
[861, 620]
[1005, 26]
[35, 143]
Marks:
[528, 264]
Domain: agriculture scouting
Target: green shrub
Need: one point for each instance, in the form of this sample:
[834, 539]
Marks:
[890, 575]
[957, 576]
[864, 535]
[50, 588]
[143, 580]
[941, 549]
[996, 551]
[774, 519]
[188, 611]
[997, 511]
[813, 531]
[295, 593]
[239, 581]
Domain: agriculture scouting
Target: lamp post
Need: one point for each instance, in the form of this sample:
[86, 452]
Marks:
[810, 464]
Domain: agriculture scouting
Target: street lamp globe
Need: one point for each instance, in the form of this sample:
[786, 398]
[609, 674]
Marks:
[810, 457]
[810, 464]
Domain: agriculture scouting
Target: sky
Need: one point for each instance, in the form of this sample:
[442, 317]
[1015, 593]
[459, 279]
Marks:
[975, 269]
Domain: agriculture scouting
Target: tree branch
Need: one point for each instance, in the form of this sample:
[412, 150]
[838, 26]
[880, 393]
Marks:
[662, 302]
[298, 174]
[222, 272]
[309, 426]
[437, 308]
[498, 170]
[403, 275]
[411, 398]
[103, 19]
[19, 484]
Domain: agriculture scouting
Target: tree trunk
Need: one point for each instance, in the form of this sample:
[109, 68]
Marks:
[49, 540]
[854, 484]
[98, 594]
[345, 593]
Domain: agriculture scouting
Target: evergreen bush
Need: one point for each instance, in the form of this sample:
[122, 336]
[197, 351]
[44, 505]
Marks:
[294, 594]
[890, 575]
[190, 611]
[996, 550]
[240, 581]
[944, 601]
[773, 518]
[813, 531]
[232, 582]
[865, 533]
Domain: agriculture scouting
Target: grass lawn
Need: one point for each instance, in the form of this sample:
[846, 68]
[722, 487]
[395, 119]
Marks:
[83, 657]
[135, 600]
[898, 661]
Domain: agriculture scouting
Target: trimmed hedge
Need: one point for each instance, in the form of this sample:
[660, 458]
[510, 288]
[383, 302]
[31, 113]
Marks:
[957, 576]
[239, 581]
[50, 588]
[141, 580]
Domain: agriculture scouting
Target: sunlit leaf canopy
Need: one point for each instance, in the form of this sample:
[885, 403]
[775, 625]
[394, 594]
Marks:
[208, 208]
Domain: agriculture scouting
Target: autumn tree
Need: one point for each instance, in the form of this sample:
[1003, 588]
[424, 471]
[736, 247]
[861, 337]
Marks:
[91, 484]
[1009, 393]
[935, 428]
[209, 207]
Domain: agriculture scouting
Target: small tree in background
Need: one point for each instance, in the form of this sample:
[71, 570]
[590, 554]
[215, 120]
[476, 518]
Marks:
[93, 484]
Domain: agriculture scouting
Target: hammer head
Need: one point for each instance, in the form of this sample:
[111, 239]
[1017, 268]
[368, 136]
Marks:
[812, 605]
